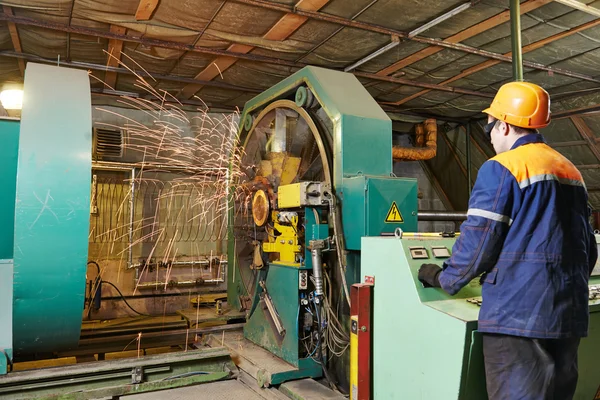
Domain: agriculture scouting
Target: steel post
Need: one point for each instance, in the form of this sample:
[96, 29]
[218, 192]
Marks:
[515, 36]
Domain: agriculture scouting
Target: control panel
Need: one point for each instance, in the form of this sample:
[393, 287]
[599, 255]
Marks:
[426, 252]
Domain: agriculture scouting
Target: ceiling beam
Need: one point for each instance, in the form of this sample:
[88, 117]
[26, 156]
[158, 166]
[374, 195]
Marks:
[282, 29]
[115, 46]
[16, 40]
[580, 6]
[568, 144]
[204, 50]
[99, 67]
[258, 58]
[455, 45]
[145, 9]
[474, 30]
[587, 134]
[487, 64]
[593, 109]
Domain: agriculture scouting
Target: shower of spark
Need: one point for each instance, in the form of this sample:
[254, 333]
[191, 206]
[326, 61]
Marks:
[203, 150]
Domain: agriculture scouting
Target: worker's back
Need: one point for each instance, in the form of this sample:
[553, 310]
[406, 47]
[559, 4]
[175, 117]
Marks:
[539, 286]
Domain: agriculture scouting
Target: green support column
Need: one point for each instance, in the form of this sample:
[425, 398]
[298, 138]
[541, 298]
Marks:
[515, 35]
[52, 211]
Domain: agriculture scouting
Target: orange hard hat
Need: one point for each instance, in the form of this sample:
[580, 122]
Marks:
[521, 104]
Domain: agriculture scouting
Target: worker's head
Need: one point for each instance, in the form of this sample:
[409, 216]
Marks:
[519, 108]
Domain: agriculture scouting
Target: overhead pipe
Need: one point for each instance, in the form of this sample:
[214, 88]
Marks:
[425, 144]
[515, 38]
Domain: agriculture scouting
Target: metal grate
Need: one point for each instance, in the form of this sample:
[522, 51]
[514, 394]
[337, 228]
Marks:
[108, 143]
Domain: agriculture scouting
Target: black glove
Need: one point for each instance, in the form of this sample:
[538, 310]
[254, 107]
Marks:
[429, 275]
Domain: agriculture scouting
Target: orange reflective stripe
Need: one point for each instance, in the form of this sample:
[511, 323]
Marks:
[538, 162]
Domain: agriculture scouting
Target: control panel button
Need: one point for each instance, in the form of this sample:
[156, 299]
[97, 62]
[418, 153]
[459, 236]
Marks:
[418, 252]
[440, 251]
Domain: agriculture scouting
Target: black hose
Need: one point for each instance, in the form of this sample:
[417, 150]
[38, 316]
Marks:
[125, 300]
[96, 264]
[320, 345]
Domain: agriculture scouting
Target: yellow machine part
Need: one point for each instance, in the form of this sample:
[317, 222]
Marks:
[286, 244]
[353, 357]
[288, 196]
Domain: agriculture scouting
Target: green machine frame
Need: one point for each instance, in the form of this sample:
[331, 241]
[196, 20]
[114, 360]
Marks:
[425, 342]
[362, 180]
[44, 215]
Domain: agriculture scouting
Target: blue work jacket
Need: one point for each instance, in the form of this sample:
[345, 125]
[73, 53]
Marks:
[528, 232]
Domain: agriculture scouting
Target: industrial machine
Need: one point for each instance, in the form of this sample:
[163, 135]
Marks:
[45, 164]
[317, 176]
[45, 173]
[425, 343]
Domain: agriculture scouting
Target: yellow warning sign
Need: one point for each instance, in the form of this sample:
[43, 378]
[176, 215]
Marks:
[394, 214]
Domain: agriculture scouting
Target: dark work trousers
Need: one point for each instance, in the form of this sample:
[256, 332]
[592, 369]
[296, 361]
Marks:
[520, 368]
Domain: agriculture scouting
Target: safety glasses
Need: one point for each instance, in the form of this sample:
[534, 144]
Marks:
[487, 128]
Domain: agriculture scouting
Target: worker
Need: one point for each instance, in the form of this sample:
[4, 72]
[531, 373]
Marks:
[528, 235]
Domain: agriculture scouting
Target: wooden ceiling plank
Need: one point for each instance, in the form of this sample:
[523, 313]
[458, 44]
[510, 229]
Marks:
[474, 30]
[283, 28]
[487, 64]
[16, 40]
[145, 9]
[115, 47]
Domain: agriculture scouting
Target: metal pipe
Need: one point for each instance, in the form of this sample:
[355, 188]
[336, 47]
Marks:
[515, 38]
[395, 42]
[440, 19]
[181, 263]
[430, 215]
[469, 185]
[131, 221]
[121, 166]
[158, 285]
[316, 247]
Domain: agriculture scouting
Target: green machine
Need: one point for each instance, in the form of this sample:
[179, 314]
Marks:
[45, 169]
[314, 175]
[425, 343]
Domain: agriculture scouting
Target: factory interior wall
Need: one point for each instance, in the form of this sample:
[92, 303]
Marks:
[429, 199]
[168, 224]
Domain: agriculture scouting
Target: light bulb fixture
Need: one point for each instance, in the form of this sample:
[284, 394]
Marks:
[12, 99]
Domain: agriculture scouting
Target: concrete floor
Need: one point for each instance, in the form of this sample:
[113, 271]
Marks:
[223, 390]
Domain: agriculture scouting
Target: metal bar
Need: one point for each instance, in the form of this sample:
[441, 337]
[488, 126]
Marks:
[403, 81]
[468, 148]
[270, 60]
[131, 222]
[580, 6]
[515, 38]
[490, 63]
[430, 215]
[158, 285]
[257, 58]
[463, 35]
[104, 68]
[145, 40]
[395, 42]
[568, 144]
[365, 8]
[440, 19]
[113, 165]
[586, 133]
